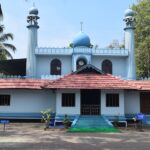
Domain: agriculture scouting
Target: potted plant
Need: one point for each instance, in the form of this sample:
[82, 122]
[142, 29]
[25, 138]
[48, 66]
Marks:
[66, 122]
[116, 121]
[46, 117]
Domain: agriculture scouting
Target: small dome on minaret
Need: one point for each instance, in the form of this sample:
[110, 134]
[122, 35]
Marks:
[33, 11]
[129, 13]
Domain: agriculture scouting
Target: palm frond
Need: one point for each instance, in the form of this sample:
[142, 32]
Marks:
[4, 46]
[10, 46]
[1, 28]
[1, 46]
[6, 36]
[6, 53]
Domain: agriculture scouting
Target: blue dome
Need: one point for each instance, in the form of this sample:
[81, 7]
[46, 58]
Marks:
[81, 39]
[33, 11]
[129, 13]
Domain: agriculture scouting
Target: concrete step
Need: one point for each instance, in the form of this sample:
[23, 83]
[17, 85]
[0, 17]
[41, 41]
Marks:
[92, 122]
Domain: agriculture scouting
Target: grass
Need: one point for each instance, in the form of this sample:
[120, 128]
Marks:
[93, 130]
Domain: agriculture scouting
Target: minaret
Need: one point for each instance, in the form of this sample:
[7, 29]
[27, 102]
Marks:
[32, 42]
[130, 43]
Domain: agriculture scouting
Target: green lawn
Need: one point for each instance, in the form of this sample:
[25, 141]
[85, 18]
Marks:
[93, 130]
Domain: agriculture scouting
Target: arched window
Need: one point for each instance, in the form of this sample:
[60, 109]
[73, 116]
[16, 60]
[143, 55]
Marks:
[80, 62]
[107, 66]
[55, 67]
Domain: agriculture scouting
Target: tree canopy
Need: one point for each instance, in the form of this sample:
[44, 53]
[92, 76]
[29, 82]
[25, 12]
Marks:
[4, 37]
[142, 37]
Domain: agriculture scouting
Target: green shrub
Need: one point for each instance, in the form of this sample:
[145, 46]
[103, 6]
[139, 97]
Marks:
[46, 117]
[66, 122]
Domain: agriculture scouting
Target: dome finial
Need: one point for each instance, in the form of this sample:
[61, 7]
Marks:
[33, 10]
[81, 23]
[33, 4]
[129, 13]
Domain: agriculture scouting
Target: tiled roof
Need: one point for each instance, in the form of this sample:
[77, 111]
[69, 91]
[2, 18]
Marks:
[90, 81]
[141, 84]
[76, 81]
[87, 77]
[22, 83]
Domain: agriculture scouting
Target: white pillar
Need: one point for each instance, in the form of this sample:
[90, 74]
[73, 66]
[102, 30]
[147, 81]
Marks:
[130, 44]
[32, 42]
[31, 58]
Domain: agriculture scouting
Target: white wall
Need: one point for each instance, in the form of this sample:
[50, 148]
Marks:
[112, 110]
[132, 102]
[29, 101]
[43, 64]
[37, 100]
[68, 110]
[119, 64]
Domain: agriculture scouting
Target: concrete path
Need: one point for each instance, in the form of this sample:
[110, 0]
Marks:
[29, 136]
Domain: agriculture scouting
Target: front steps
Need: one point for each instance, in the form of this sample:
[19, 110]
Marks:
[92, 122]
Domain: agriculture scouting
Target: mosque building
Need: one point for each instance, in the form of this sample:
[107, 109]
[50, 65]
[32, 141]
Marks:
[79, 80]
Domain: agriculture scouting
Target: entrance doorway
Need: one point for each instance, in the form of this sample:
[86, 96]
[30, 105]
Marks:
[145, 102]
[90, 102]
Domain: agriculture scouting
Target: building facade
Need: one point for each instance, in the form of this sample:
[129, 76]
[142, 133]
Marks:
[79, 80]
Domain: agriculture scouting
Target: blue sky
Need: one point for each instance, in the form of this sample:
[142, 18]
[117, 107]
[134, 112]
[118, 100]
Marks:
[60, 21]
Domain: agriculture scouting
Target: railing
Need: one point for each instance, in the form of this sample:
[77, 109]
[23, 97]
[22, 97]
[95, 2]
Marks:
[51, 77]
[111, 52]
[90, 109]
[53, 51]
[13, 77]
[145, 79]
[82, 50]
[70, 51]
[44, 77]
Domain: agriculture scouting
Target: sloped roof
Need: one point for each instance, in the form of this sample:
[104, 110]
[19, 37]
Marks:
[90, 81]
[141, 85]
[89, 77]
[22, 83]
[88, 69]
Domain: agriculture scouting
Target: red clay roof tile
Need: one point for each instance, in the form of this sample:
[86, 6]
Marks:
[90, 81]
[141, 85]
[76, 81]
[22, 83]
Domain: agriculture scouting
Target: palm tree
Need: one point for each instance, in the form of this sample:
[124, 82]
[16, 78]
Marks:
[4, 46]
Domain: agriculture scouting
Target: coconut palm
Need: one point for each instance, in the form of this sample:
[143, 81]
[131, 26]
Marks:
[4, 46]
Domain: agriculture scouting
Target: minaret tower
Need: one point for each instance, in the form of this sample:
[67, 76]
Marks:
[32, 42]
[130, 43]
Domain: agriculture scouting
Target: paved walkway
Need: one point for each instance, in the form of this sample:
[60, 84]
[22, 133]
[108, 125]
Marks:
[33, 137]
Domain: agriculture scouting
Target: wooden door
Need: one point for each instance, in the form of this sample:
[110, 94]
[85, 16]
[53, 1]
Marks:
[145, 102]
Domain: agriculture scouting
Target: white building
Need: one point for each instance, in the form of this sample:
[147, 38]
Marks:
[80, 80]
